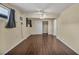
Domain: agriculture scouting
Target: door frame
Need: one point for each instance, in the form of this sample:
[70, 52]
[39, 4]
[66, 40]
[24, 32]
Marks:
[44, 22]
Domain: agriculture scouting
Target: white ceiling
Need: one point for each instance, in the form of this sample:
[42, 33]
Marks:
[49, 8]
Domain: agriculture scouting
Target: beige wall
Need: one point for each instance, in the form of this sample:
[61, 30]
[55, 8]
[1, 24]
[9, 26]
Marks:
[55, 27]
[2, 40]
[37, 27]
[68, 27]
[9, 38]
[51, 27]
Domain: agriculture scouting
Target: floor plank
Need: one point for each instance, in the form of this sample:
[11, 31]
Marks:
[41, 45]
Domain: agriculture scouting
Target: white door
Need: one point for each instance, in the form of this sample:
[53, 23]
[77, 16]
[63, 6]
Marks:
[45, 26]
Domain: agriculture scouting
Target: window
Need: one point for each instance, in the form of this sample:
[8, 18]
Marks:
[4, 12]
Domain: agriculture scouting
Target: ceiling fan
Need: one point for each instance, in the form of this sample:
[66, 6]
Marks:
[42, 14]
[41, 10]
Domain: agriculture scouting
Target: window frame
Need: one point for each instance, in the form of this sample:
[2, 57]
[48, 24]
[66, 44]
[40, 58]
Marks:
[5, 16]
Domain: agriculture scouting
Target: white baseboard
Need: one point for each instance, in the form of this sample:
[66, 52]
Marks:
[15, 45]
[66, 44]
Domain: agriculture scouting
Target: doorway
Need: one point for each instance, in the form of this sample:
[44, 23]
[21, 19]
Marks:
[45, 27]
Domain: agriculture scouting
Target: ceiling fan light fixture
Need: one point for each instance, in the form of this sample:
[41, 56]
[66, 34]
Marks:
[42, 16]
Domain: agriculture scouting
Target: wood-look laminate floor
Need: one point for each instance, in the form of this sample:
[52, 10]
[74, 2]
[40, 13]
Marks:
[41, 45]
